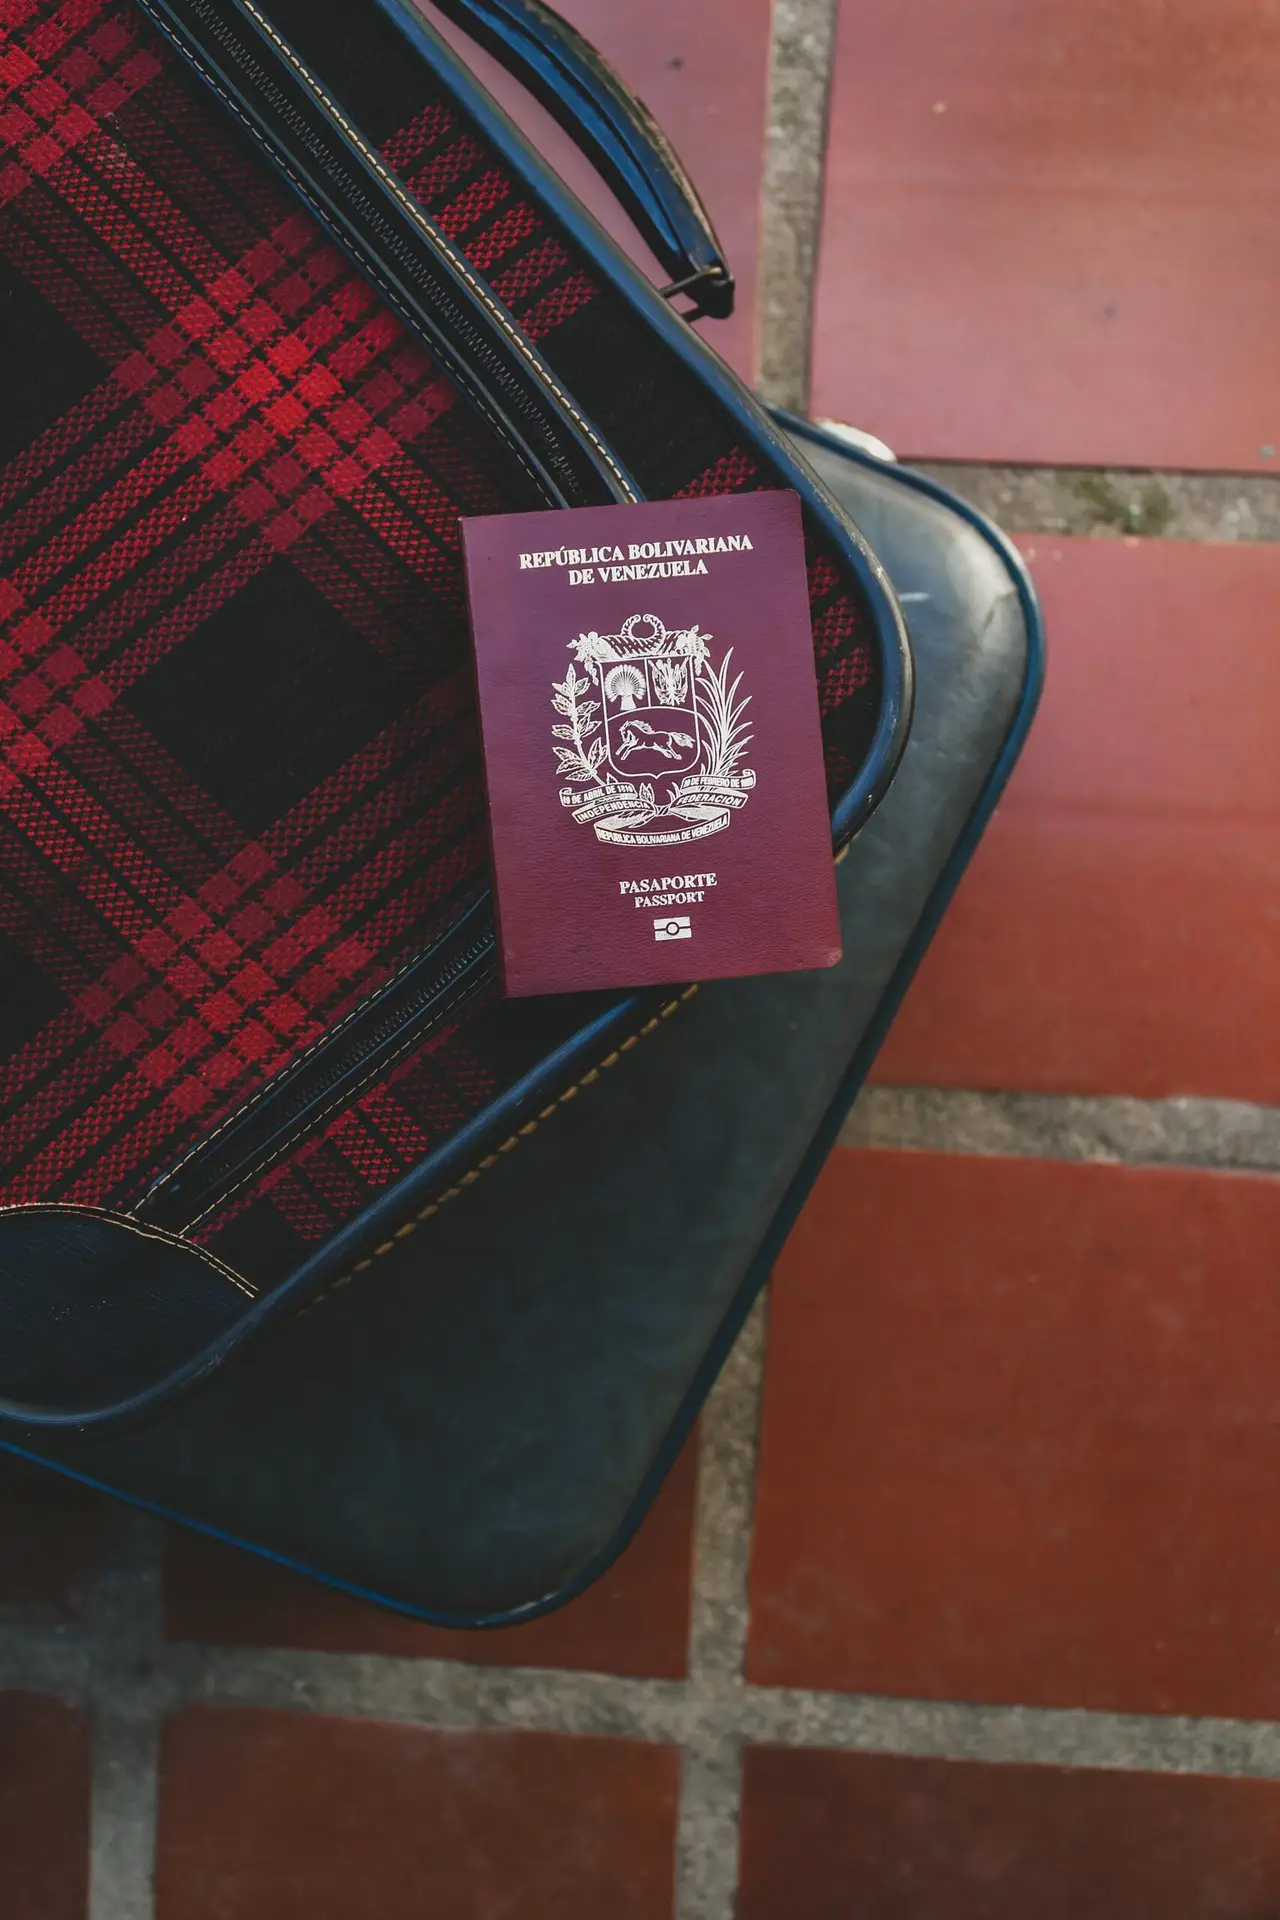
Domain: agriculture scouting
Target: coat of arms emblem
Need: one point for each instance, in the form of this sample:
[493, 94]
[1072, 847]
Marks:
[651, 735]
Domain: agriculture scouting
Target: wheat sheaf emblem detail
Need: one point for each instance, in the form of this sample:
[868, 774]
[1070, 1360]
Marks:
[650, 736]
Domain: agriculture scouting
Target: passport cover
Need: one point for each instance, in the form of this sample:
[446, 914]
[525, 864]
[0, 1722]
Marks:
[649, 712]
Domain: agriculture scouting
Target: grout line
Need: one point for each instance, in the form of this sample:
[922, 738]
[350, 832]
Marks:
[123, 1817]
[711, 1772]
[424, 1693]
[711, 1719]
[125, 1649]
[729, 1438]
[44, 1660]
[1013, 1735]
[1118, 502]
[801, 53]
[1215, 1134]
[714, 1722]
[709, 1830]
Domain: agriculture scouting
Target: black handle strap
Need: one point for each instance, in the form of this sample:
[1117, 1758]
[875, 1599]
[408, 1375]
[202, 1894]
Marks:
[615, 130]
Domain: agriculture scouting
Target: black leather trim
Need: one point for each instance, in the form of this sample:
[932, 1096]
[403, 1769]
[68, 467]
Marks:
[95, 1306]
[615, 130]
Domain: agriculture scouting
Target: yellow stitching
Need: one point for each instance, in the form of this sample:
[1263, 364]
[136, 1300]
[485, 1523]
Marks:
[513, 1140]
[143, 1230]
[438, 239]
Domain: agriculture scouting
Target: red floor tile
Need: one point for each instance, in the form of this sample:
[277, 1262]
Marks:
[634, 1620]
[50, 1539]
[1050, 231]
[44, 1808]
[267, 1816]
[830, 1835]
[703, 72]
[1119, 929]
[1022, 1436]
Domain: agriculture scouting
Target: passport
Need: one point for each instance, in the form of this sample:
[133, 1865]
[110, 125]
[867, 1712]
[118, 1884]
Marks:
[649, 715]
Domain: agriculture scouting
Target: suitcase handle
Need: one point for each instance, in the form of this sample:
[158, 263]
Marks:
[615, 130]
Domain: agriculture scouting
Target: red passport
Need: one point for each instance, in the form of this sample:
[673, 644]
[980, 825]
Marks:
[649, 711]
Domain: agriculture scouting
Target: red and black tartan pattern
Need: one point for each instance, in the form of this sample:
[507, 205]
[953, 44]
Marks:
[238, 756]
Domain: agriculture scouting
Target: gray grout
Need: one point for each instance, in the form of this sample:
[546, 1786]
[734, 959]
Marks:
[1012, 1735]
[44, 1660]
[1183, 1132]
[445, 1694]
[708, 1834]
[123, 1816]
[125, 1647]
[726, 1498]
[799, 81]
[711, 1774]
[1116, 502]
[418, 1692]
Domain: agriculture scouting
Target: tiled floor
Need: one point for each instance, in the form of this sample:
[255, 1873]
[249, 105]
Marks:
[855, 1833]
[44, 1807]
[1045, 1398]
[1116, 932]
[268, 1815]
[968, 1601]
[1050, 231]
[50, 1544]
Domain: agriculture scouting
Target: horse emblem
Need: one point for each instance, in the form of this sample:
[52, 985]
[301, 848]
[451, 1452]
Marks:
[637, 736]
[651, 735]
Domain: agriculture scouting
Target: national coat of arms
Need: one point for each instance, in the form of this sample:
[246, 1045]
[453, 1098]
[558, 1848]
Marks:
[651, 735]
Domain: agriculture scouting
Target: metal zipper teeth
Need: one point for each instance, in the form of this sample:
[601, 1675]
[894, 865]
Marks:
[278, 1119]
[451, 313]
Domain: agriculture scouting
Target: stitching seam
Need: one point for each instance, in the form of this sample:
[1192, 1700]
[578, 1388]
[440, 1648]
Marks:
[143, 1231]
[439, 241]
[512, 1141]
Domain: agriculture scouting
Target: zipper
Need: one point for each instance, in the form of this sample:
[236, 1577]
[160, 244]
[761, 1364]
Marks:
[283, 106]
[236, 51]
[392, 1022]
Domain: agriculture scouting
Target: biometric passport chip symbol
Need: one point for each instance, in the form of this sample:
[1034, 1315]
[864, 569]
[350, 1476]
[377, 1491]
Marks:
[651, 735]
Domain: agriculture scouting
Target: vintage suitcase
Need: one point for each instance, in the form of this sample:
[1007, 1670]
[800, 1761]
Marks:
[472, 1431]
